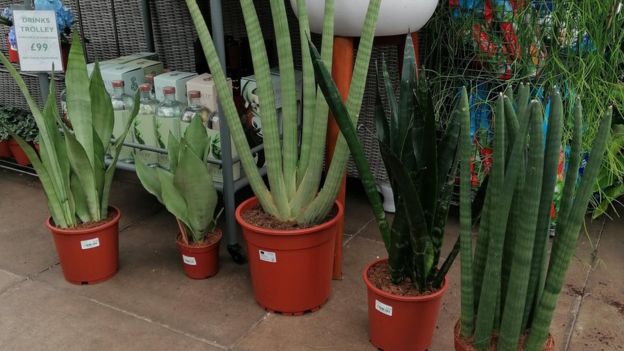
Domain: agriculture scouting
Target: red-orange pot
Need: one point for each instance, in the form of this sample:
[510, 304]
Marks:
[291, 270]
[401, 322]
[18, 154]
[5, 150]
[88, 255]
[201, 261]
[463, 345]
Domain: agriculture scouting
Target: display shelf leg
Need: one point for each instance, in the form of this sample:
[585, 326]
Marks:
[342, 72]
[231, 229]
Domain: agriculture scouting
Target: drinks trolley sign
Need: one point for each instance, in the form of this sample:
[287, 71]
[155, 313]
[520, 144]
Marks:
[37, 41]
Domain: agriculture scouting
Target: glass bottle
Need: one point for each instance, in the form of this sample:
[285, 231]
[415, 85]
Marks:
[144, 127]
[195, 109]
[168, 119]
[122, 106]
[150, 80]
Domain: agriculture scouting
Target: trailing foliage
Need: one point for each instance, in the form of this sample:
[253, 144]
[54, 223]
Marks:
[17, 121]
[510, 293]
[186, 188]
[421, 169]
[70, 164]
[294, 163]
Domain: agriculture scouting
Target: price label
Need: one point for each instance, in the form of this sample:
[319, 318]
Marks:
[90, 244]
[37, 41]
[189, 260]
[267, 256]
[383, 308]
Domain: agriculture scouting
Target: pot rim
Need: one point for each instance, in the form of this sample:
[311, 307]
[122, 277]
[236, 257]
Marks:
[312, 230]
[421, 298]
[74, 231]
[217, 232]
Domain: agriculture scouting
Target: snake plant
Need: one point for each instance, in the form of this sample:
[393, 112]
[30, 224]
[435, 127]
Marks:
[70, 165]
[294, 163]
[186, 188]
[510, 284]
[421, 169]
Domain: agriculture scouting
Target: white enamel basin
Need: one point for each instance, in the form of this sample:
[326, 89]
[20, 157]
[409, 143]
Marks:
[395, 17]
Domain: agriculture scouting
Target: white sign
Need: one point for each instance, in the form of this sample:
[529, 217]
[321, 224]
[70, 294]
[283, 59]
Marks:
[37, 41]
[268, 256]
[90, 244]
[189, 260]
[383, 308]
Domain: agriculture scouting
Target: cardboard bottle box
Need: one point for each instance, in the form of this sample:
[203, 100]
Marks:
[206, 86]
[173, 79]
[133, 74]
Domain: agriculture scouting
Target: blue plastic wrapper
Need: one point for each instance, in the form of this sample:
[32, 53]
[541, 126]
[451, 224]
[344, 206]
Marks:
[64, 16]
[12, 38]
[7, 13]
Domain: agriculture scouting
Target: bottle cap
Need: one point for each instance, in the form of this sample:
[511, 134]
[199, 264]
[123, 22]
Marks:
[145, 88]
[194, 94]
[149, 78]
[118, 84]
[168, 90]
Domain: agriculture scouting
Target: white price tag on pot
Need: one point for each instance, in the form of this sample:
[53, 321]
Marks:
[90, 244]
[383, 308]
[189, 260]
[268, 256]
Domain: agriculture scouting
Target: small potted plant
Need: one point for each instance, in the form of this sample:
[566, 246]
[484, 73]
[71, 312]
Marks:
[23, 125]
[5, 151]
[405, 289]
[73, 172]
[507, 295]
[188, 192]
[289, 229]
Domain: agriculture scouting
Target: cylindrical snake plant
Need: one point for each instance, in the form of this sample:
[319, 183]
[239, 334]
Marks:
[294, 163]
[70, 164]
[507, 290]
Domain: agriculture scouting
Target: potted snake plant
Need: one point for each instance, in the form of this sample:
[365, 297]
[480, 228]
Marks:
[510, 285]
[72, 171]
[187, 191]
[405, 289]
[290, 229]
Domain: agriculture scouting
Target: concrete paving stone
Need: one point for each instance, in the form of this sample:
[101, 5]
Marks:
[151, 283]
[43, 318]
[8, 279]
[601, 317]
[27, 246]
[599, 326]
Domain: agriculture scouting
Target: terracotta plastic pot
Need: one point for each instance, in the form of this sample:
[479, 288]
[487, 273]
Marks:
[5, 150]
[18, 154]
[201, 262]
[89, 255]
[291, 270]
[462, 345]
[401, 322]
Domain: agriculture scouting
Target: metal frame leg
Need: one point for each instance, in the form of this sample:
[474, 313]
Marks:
[231, 229]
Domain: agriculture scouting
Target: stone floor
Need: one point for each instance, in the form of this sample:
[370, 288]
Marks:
[151, 305]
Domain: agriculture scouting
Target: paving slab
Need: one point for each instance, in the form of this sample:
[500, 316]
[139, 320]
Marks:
[601, 319]
[27, 246]
[151, 283]
[358, 212]
[43, 318]
[132, 199]
[8, 279]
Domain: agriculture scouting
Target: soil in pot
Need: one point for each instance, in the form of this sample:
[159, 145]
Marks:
[201, 261]
[291, 270]
[88, 253]
[404, 321]
[466, 345]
